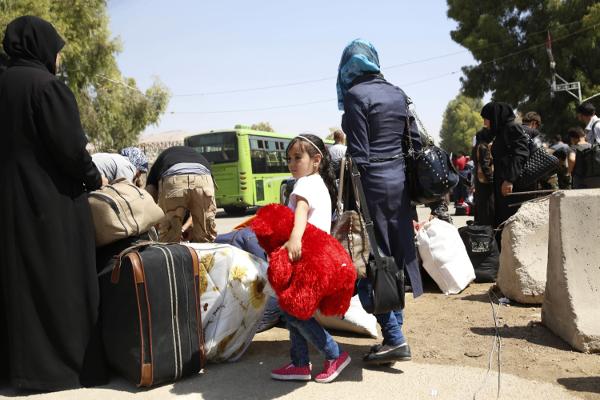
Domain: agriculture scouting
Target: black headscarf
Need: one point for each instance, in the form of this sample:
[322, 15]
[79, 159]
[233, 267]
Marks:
[33, 39]
[499, 115]
[483, 135]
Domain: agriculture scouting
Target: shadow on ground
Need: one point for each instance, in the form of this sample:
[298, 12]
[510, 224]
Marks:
[238, 380]
[534, 333]
[247, 379]
[589, 384]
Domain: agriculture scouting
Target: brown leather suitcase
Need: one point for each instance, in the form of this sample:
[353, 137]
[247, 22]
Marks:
[151, 314]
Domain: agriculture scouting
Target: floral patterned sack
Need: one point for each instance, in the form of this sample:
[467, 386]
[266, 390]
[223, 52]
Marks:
[233, 292]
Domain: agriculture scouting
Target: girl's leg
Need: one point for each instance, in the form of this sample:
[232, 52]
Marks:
[299, 346]
[311, 331]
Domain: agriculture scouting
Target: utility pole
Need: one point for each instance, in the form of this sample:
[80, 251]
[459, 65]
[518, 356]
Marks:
[564, 86]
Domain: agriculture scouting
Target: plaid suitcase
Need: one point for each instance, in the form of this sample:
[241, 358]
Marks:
[151, 314]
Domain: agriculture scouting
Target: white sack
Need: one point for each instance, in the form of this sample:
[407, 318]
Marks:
[444, 256]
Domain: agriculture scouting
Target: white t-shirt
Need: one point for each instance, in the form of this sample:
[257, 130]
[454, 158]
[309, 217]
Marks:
[313, 189]
[337, 152]
[593, 137]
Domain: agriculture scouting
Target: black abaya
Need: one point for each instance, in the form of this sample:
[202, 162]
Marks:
[47, 250]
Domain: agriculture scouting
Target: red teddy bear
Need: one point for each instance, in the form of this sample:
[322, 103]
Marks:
[323, 278]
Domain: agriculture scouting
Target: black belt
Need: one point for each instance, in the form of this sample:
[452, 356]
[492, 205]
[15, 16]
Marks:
[384, 159]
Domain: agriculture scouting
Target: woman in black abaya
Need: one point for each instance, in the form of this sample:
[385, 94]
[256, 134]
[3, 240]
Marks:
[510, 151]
[47, 252]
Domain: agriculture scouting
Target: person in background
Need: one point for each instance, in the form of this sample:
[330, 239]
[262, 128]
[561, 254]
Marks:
[180, 180]
[561, 151]
[114, 166]
[510, 151]
[375, 115]
[136, 156]
[578, 146]
[586, 113]
[484, 178]
[49, 292]
[337, 151]
[532, 123]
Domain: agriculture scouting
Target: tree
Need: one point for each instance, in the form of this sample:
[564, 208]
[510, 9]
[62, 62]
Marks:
[262, 126]
[113, 110]
[508, 39]
[461, 121]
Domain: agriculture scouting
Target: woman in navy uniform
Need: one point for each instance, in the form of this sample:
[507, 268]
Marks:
[374, 119]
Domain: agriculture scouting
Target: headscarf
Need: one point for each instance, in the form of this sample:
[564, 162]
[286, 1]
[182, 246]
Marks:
[137, 157]
[359, 58]
[499, 115]
[33, 39]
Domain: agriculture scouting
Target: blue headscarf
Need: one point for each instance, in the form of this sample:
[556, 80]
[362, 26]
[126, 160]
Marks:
[137, 158]
[359, 58]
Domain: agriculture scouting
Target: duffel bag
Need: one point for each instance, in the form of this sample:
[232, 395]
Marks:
[152, 314]
[483, 251]
[121, 210]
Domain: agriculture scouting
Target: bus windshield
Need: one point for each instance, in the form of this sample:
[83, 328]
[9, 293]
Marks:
[216, 147]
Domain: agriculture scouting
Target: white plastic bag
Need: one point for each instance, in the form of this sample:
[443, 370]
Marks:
[444, 256]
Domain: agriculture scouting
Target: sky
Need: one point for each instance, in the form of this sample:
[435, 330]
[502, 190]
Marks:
[204, 50]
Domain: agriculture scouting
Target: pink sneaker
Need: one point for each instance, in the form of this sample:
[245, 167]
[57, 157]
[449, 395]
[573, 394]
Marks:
[332, 368]
[292, 373]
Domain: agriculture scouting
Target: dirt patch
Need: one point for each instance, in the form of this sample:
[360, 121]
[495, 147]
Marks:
[459, 329]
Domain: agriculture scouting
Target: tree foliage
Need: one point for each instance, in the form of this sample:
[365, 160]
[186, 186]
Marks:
[262, 126]
[113, 110]
[461, 121]
[508, 38]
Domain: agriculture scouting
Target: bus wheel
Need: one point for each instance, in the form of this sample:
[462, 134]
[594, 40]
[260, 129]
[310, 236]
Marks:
[235, 210]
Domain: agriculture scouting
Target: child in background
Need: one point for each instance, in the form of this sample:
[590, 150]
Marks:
[312, 200]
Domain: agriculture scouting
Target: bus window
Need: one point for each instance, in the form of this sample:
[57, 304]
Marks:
[216, 147]
[268, 155]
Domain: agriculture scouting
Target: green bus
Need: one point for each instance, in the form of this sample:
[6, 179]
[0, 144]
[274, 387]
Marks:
[249, 167]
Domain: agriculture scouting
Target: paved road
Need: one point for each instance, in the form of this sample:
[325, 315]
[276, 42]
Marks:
[226, 223]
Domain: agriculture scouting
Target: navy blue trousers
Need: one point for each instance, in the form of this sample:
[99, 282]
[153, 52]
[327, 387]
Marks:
[390, 209]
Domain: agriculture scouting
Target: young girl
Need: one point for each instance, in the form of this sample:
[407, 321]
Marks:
[312, 200]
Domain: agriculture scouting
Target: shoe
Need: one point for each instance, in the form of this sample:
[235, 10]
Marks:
[292, 373]
[332, 368]
[374, 349]
[384, 354]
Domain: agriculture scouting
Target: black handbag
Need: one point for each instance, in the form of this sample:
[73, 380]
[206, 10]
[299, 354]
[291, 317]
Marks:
[538, 166]
[386, 278]
[429, 171]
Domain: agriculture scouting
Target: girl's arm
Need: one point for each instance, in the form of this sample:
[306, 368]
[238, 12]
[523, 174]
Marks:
[294, 244]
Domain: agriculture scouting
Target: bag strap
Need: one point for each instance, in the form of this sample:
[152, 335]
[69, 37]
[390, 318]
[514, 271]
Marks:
[365, 213]
[340, 206]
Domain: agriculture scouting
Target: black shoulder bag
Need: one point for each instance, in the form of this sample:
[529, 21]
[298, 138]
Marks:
[386, 278]
[429, 171]
[539, 165]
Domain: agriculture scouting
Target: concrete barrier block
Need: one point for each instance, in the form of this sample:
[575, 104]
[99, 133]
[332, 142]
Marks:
[571, 307]
[524, 255]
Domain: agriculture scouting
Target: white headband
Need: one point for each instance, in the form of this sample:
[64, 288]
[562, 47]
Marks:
[311, 142]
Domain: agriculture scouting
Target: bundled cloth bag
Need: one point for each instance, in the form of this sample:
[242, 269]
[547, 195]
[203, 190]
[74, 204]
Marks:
[121, 210]
[444, 256]
[234, 291]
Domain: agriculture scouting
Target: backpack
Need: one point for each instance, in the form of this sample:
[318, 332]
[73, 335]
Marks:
[587, 162]
[480, 242]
